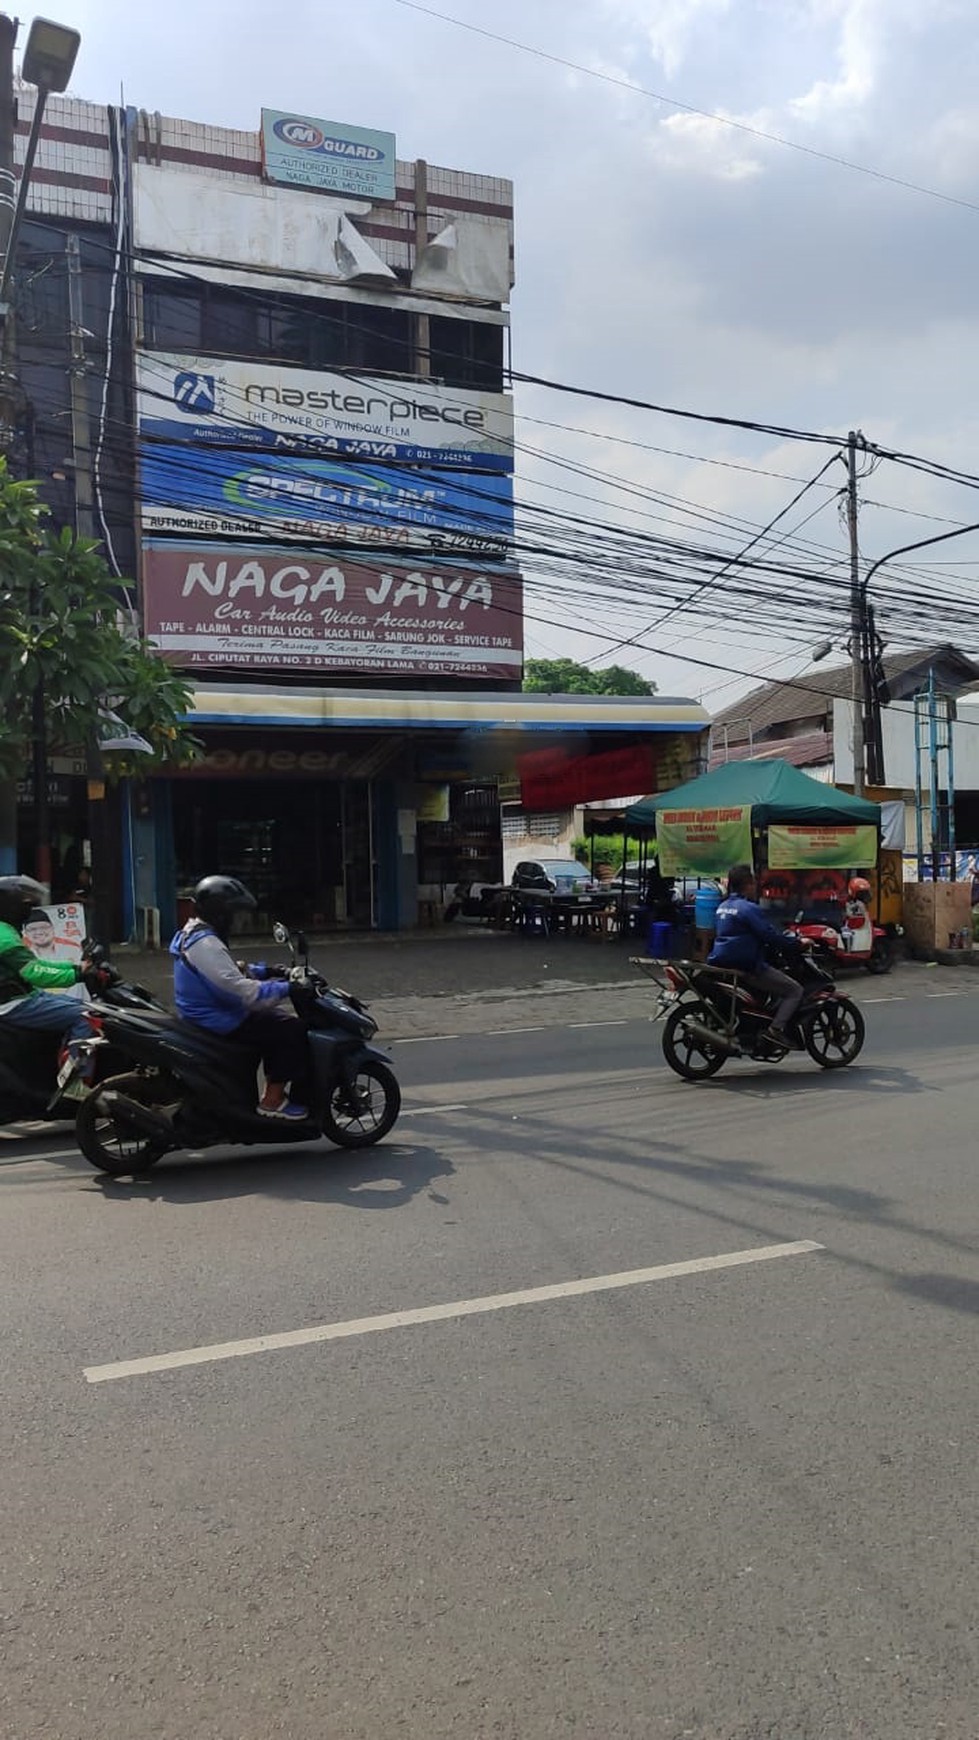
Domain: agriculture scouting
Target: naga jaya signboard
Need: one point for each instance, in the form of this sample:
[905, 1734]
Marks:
[211, 606]
[287, 495]
[228, 403]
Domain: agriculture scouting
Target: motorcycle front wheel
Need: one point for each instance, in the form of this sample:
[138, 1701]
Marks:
[109, 1147]
[834, 1036]
[687, 1053]
[362, 1111]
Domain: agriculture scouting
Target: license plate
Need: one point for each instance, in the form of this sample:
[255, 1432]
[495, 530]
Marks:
[67, 1070]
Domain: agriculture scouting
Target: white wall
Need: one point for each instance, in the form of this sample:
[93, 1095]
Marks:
[897, 730]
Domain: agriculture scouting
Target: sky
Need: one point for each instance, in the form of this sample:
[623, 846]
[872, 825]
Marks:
[666, 256]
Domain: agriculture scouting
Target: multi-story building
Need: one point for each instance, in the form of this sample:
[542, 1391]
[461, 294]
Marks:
[299, 442]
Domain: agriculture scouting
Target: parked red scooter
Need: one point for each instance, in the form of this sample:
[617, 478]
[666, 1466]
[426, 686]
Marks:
[855, 941]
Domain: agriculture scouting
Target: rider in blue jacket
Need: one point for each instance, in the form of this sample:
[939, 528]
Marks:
[742, 936]
[211, 990]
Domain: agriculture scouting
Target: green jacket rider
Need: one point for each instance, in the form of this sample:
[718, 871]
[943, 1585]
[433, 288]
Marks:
[28, 986]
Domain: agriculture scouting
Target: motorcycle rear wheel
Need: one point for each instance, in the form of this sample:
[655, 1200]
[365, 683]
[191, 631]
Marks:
[686, 1053]
[881, 957]
[376, 1103]
[835, 1035]
[119, 1152]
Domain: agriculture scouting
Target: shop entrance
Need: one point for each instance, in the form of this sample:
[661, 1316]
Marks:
[302, 847]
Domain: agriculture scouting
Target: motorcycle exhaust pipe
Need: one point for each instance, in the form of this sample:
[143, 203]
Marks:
[717, 1041]
[133, 1116]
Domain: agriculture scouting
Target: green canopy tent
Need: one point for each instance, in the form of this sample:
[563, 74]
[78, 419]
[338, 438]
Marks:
[718, 820]
[775, 791]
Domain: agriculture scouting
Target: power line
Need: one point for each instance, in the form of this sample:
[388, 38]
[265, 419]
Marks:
[690, 108]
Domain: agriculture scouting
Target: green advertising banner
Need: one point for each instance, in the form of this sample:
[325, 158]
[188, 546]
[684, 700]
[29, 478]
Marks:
[791, 848]
[703, 842]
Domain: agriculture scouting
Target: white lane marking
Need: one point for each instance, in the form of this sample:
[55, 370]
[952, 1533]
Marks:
[423, 1111]
[622, 1022]
[430, 1038]
[29, 1159]
[492, 1032]
[221, 1350]
[945, 993]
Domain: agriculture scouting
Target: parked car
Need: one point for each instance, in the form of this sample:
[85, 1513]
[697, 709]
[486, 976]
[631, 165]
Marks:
[632, 880]
[558, 882]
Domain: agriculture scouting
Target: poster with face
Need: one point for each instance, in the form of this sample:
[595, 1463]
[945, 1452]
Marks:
[55, 933]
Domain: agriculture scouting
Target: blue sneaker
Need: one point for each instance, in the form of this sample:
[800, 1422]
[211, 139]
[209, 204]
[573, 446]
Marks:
[288, 1110]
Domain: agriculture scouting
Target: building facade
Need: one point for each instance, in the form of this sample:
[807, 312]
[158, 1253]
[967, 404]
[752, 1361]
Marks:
[298, 441]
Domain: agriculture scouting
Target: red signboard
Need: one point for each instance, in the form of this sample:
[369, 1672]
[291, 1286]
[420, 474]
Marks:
[551, 779]
[209, 606]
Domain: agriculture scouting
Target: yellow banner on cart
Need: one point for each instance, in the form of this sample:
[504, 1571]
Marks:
[796, 848]
[704, 842]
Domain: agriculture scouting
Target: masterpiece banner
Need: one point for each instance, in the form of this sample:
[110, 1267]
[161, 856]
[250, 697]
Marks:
[211, 605]
[704, 842]
[226, 403]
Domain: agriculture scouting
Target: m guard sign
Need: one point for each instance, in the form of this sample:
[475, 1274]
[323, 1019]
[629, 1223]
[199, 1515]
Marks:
[327, 155]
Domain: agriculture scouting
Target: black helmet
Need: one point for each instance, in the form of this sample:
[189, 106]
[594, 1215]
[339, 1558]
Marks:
[218, 898]
[18, 894]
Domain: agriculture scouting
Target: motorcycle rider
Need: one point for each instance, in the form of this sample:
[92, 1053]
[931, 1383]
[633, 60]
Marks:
[742, 936]
[28, 985]
[212, 991]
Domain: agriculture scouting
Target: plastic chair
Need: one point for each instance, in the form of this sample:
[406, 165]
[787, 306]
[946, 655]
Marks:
[535, 917]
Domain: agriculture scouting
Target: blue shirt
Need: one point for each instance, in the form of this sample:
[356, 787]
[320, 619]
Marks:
[742, 933]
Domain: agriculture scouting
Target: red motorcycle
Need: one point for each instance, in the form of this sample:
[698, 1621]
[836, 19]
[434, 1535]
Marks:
[850, 939]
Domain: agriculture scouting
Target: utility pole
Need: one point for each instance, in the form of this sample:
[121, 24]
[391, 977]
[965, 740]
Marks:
[8, 395]
[81, 444]
[853, 441]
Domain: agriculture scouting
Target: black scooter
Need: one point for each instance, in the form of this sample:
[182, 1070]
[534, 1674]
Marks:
[38, 1078]
[185, 1088]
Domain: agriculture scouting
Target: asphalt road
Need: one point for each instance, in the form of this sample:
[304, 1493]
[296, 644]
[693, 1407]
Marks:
[734, 1502]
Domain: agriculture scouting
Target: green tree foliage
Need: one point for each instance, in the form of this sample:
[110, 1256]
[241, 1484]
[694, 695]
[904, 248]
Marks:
[61, 626]
[565, 677]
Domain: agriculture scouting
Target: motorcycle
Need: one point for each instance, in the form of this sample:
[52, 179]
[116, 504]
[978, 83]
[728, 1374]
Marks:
[836, 943]
[40, 1077]
[187, 1088]
[714, 1013]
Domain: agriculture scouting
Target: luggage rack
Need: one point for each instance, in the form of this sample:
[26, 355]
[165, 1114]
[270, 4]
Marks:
[651, 967]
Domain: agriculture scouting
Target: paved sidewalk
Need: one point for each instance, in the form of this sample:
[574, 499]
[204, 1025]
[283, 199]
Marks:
[453, 980]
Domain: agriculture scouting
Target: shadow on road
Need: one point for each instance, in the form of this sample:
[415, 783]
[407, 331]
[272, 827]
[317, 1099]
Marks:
[950, 1291]
[857, 1078]
[384, 1177]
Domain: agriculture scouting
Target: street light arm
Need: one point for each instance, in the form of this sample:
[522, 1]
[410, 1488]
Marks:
[905, 550]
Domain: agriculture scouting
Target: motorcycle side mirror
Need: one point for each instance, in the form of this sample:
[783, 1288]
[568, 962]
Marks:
[279, 932]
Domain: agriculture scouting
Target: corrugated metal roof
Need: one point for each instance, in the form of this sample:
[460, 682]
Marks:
[809, 750]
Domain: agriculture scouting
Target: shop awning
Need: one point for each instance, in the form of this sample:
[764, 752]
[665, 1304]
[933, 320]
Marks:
[774, 791]
[378, 709]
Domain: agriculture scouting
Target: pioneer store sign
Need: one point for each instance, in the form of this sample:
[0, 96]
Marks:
[207, 606]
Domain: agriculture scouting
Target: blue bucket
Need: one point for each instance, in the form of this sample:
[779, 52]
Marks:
[659, 940]
[705, 905]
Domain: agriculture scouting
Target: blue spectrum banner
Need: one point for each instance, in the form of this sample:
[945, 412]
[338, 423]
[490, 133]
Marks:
[216, 492]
